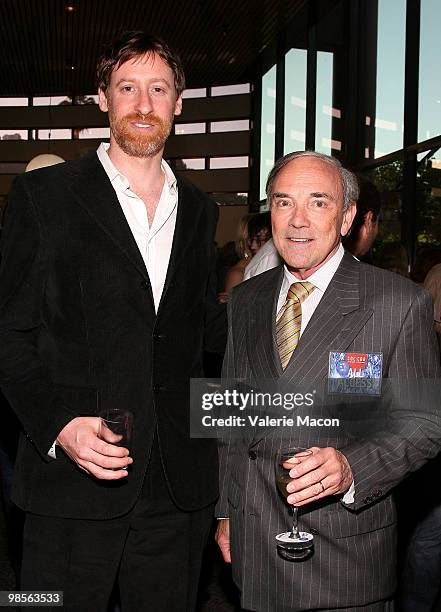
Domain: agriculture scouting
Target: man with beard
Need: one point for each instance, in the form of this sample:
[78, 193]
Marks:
[104, 302]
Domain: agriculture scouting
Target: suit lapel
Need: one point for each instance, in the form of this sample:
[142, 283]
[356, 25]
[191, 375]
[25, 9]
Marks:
[95, 194]
[335, 323]
[187, 219]
[261, 342]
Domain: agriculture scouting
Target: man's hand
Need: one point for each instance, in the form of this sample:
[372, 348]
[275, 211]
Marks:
[93, 449]
[325, 472]
[223, 538]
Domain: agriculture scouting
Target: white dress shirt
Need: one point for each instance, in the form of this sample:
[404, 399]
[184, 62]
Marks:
[266, 258]
[155, 241]
[320, 279]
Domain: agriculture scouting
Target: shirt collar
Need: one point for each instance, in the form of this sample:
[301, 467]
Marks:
[321, 277]
[118, 179]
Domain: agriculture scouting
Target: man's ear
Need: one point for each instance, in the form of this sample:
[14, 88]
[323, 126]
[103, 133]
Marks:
[178, 106]
[367, 221]
[348, 217]
[102, 101]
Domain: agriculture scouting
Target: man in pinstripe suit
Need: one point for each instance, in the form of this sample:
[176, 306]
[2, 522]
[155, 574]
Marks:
[344, 489]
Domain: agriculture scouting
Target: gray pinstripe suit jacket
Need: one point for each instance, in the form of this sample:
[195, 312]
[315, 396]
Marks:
[364, 309]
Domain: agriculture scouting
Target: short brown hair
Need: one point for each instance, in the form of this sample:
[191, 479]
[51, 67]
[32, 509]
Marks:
[136, 44]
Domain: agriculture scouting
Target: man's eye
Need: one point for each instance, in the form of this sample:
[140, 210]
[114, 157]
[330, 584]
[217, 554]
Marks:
[158, 89]
[283, 203]
[319, 204]
[127, 88]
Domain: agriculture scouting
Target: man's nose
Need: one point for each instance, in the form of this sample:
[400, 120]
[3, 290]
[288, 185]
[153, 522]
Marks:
[299, 217]
[144, 103]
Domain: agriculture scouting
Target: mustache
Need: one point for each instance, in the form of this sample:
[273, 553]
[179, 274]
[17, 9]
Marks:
[149, 118]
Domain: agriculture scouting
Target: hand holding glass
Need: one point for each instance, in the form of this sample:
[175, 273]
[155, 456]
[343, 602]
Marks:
[292, 544]
[120, 422]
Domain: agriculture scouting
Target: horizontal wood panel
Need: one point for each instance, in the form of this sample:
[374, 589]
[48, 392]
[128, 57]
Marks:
[191, 145]
[227, 180]
[210, 181]
[222, 108]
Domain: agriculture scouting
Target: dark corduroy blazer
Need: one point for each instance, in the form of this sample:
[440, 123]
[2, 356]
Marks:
[79, 334]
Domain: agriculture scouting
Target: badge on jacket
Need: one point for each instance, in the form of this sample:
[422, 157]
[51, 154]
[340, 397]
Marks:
[355, 373]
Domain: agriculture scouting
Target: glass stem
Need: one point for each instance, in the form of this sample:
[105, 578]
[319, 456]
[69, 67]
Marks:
[295, 523]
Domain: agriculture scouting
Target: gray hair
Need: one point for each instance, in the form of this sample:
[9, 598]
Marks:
[349, 181]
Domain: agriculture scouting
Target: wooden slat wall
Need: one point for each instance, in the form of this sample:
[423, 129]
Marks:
[183, 146]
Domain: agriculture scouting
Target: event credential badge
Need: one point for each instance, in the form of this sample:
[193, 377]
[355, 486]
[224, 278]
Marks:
[355, 373]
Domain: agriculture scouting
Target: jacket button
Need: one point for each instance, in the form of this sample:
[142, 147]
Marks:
[252, 454]
[158, 388]
[159, 336]
[144, 285]
[368, 499]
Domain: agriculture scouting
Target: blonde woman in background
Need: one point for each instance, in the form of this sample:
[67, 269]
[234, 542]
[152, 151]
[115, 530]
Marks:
[253, 232]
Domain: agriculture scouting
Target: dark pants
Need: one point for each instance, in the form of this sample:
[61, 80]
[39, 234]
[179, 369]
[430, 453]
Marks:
[422, 570]
[154, 553]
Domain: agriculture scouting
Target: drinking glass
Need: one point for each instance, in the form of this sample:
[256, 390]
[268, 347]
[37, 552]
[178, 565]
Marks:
[294, 544]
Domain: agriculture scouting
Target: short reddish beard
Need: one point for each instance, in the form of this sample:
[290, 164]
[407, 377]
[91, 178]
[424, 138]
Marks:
[139, 144]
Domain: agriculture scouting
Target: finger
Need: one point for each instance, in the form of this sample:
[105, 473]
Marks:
[108, 435]
[103, 474]
[307, 496]
[306, 465]
[110, 450]
[107, 462]
[224, 546]
[306, 481]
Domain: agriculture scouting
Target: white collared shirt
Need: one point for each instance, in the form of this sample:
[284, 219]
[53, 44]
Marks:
[320, 279]
[155, 241]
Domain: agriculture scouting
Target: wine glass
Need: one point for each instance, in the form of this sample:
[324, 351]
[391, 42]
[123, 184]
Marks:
[292, 544]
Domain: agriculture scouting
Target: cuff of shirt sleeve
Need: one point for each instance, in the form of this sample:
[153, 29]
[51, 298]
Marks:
[348, 497]
[51, 452]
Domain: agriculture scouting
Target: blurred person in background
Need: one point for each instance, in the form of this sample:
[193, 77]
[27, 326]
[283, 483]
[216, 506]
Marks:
[254, 232]
[393, 257]
[364, 228]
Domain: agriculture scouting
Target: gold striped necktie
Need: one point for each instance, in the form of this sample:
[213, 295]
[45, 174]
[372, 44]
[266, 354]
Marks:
[289, 320]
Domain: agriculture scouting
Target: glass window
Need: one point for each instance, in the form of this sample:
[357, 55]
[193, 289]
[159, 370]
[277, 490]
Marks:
[13, 101]
[102, 132]
[268, 126]
[429, 200]
[190, 128]
[201, 92]
[295, 100]
[230, 126]
[388, 178]
[196, 163]
[230, 90]
[390, 76]
[324, 111]
[51, 100]
[228, 162]
[58, 134]
[13, 134]
[429, 115]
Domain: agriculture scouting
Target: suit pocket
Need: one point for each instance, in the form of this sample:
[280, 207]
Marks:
[343, 523]
[81, 401]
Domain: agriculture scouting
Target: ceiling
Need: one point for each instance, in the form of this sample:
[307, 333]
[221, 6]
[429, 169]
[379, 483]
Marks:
[47, 48]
